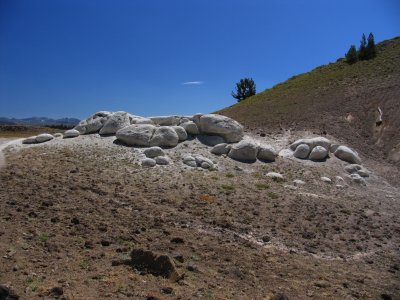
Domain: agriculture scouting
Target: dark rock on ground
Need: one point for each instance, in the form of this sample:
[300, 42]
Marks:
[157, 264]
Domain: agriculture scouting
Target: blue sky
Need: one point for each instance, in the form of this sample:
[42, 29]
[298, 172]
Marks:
[71, 58]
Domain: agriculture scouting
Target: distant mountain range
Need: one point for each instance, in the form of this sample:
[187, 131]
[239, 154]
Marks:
[43, 121]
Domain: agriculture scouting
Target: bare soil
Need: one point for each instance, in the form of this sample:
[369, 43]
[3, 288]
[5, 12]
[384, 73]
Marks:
[71, 208]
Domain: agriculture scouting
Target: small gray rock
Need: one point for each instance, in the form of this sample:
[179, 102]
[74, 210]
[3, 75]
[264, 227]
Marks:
[274, 175]
[221, 149]
[298, 182]
[358, 179]
[153, 152]
[353, 168]
[190, 161]
[162, 160]
[148, 162]
[204, 162]
[326, 179]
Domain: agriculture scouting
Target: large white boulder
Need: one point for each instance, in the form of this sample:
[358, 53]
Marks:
[71, 133]
[312, 142]
[165, 120]
[267, 153]
[318, 153]
[302, 151]
[136, 134]
[94, 123]
[347, 154]
[245, 150]
[115, 122]
[164, 136]
[229, 129]
[153, 152]
[221, 149]
[30, 140]
[181, 132]
[190, 127]
[44, 137]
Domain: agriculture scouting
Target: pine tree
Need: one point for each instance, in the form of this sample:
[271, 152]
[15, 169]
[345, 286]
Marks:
[370, 49]
[351, 55]
[362, 51]
[244, 89]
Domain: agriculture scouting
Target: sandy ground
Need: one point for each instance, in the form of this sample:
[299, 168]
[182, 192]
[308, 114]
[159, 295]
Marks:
[72, 207]
[4, 142]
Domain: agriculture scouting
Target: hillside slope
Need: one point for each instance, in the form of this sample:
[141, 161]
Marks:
[337, 99]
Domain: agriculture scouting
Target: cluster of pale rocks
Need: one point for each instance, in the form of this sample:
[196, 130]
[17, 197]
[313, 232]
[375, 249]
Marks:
[224, 134]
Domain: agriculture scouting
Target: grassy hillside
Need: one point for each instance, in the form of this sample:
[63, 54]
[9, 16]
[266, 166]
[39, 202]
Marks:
[337, 99]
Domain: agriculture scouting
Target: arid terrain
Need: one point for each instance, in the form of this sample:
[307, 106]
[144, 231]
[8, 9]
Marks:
[73, 209]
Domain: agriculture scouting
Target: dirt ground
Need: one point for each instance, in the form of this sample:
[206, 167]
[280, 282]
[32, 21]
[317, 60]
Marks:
[71, 208]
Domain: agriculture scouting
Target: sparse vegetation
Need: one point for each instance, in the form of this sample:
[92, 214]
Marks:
[262, 186]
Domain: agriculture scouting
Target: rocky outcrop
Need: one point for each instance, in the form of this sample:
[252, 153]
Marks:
[94, 123]
[312, 142]
[347, 154]
[245, 150]
[164, 136]
[30, 140]
[318, 153]
[181, 132]
[136, 135]
[115, 122]
[44, 137]
[190, 127]
[221, 149]
[153, 152]
[302, 151]
[165, 120]
[266, 153]
[225, 127]
[71, 133]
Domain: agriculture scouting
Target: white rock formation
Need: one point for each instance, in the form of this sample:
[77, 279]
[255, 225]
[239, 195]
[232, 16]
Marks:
[347, 154]
[165, 120]
[115, 122]
[228, 128]
[318, 153]
[164, 136]
[44, 137]
[94, 123]
[221, 149]
[30, 140]
[181, 132]
[153, 152]
[312, 142]
[266, 153]
[190, 127]
[71, 133]
[245, 150]
[136, 135]
[302, 151]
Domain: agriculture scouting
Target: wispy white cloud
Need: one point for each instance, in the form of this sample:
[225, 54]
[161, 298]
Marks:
[193, 83]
